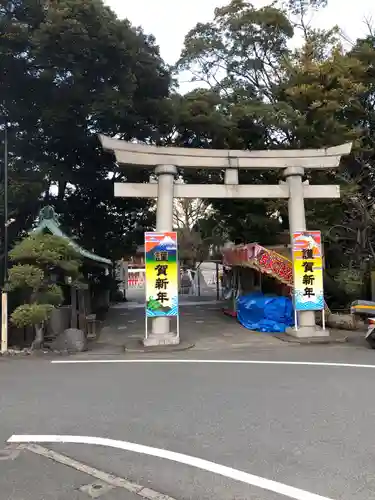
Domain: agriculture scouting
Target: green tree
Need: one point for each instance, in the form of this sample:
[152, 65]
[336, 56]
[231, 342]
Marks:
[270, 96]
[356, 232]
[72, 69]
[239, 58]
[39, 260]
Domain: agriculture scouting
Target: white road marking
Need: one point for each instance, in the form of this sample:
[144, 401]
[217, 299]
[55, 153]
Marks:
[210, 361]
[199, 463]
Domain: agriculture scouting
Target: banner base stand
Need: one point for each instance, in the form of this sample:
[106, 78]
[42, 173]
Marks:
[337, 337]
[307, 331]
[161, 340]
[134, 346]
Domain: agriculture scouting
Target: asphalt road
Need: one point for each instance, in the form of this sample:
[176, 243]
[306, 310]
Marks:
[310, 427]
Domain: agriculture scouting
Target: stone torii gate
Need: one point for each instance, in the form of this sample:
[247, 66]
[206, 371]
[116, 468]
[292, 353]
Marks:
[165, 161]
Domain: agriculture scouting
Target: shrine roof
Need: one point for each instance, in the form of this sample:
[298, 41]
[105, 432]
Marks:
[49, 221]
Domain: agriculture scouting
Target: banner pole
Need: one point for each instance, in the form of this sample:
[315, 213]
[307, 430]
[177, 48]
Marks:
[4, 322]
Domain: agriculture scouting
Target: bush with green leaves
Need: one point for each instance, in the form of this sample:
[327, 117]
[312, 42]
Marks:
[31, 314]
[38, 260]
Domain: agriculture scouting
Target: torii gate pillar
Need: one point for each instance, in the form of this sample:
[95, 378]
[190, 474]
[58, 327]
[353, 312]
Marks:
[297, 222]
[160, 331]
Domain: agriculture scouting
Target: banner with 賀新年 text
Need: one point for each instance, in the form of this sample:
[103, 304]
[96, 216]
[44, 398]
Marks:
[161, 263]
[308, 271]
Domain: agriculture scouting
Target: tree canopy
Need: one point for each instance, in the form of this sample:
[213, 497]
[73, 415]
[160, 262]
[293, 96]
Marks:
[265, 78]
[258, 92]
[72, 69]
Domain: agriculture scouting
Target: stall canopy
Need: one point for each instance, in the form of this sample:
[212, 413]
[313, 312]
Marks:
[262, 259]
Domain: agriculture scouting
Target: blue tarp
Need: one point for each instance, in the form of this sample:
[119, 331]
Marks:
[263, 313]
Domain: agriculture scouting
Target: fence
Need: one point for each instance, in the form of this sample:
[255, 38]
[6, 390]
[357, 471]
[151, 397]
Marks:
[136, 278]
[203, 282]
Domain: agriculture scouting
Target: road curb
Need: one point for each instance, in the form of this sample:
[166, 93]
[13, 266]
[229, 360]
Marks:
[115, 481]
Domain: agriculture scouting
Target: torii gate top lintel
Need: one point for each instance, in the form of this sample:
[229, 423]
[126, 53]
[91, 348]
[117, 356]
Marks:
[147, 155]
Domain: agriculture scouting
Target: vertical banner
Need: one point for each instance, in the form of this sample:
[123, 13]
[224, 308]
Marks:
[308, 271]
[161, 274]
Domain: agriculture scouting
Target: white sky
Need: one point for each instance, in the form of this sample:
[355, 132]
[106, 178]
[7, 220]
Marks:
[170, 20]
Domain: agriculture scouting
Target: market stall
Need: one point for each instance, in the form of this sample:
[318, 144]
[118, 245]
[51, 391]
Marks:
[258, 282]
[247, 265]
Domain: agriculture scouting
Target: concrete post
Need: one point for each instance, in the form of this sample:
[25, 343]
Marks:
[231, 176]
[160, 332]
[297, 222]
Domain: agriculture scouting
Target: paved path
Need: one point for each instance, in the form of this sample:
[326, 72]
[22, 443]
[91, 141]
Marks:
[308, 426]
[202, 323]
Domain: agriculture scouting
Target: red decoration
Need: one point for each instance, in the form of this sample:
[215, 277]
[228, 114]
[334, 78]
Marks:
[260, 258]
[277, 265]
